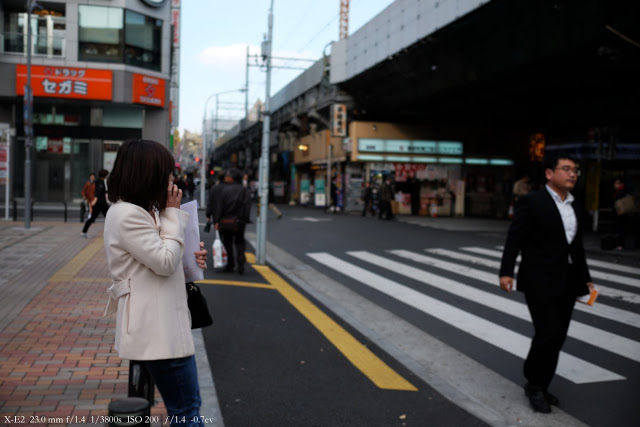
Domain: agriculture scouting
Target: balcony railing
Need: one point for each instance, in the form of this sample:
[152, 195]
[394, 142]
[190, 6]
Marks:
[42, 45]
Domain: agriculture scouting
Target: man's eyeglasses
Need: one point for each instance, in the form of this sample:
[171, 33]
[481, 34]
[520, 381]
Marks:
[568, 169]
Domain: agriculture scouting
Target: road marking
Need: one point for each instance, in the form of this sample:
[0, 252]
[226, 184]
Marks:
[604, 290]
[610, 277]
[580, 331]
[235, 283]
[77, 263]
[599, 309]
[359, 355]
[569, 367]
[310, 219]
[603, 264]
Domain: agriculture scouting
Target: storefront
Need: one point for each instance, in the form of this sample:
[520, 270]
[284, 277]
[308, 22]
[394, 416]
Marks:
[429, 176]
[99, 76]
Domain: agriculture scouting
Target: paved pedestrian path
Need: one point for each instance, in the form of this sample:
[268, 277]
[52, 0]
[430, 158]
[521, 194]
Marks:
[57, 363]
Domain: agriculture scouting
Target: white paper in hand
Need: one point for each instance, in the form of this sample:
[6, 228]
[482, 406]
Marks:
[192, 271]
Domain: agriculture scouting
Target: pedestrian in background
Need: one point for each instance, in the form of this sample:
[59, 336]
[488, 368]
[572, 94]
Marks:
[386, 196]
[144, 241]
[99, 202]
[621, 219]
[413, 183]
[367, 199]
[88, 193]
[521, 187]
[553, 271]
[228, 209]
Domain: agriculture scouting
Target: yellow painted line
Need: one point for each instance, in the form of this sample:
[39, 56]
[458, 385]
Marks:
[362, 358]
[236, 283]
[78, 262]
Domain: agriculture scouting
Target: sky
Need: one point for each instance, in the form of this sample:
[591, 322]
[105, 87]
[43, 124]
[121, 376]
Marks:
[214, 39]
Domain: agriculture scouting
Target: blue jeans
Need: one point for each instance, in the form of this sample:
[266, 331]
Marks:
[177, 380]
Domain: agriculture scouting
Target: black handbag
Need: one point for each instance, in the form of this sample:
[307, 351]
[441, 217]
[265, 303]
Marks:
[200, 316]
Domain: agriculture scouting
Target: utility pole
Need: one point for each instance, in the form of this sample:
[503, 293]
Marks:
[246, 86]
[28, 124]
[263, 198]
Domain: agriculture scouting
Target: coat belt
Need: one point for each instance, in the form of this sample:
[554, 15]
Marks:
[116, 291]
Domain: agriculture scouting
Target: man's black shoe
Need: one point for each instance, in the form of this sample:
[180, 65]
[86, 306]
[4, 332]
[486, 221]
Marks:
[241, 269]
[553, 400]
[537, 399]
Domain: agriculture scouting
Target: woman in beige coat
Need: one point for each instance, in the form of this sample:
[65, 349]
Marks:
[144, 241]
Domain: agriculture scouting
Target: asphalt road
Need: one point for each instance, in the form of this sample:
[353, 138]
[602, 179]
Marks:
[273, 365]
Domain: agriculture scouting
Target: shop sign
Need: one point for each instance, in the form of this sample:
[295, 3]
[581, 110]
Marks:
[148, 90]
[305, 190]
[320, 196]
[4, 165]
[66, 82]
[278, 188]
[420, 171]
[154, 3]
[372, 145]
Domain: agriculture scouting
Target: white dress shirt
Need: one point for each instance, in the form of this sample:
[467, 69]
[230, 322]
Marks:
[568, 215]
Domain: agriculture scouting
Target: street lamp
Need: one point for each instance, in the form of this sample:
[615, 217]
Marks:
[204, 138]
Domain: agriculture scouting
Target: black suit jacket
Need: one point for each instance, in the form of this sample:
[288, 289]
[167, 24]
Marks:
[538, 233]
[229, 200]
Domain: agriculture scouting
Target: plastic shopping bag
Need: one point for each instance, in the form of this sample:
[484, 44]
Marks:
[219, 252]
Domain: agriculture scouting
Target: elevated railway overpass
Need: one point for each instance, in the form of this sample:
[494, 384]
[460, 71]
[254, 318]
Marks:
[461, 91]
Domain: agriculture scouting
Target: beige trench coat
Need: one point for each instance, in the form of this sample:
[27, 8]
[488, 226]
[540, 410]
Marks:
[148, 291]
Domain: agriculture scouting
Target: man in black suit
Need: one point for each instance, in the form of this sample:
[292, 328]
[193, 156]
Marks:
[553, 271]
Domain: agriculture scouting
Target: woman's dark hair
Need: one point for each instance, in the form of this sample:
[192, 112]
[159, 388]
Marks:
[140, 174]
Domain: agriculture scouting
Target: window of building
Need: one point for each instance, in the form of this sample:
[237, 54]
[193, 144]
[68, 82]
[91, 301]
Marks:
[142, 40]
[48, 26]
[100, 33]
[108, 34]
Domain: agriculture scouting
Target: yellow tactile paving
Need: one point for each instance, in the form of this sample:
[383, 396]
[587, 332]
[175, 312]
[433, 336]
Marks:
[78, 262]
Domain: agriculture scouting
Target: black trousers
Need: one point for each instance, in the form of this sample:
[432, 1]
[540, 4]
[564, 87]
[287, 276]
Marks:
[551, 317]
[98, 208]
[231, 240]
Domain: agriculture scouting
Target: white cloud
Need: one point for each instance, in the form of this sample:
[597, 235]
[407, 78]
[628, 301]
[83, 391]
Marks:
[230, 57]
[233, 57]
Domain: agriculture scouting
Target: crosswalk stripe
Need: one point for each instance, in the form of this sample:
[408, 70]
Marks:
[603, 264]
[570, 367]
[604, 290]
[610, 277]
[599, 309]
[580, 331]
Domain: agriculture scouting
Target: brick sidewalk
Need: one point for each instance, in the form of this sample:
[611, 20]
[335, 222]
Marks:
[56, 355]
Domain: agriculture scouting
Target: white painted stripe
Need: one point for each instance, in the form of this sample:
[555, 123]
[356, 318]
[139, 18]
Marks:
[607, 341]
[610, 277]
[604, 290]
[569, 367]
[614, 267]
[598, 309]
[604, 264]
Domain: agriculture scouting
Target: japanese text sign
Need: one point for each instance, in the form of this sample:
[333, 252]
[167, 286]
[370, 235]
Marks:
[148, 90]
[66, 82]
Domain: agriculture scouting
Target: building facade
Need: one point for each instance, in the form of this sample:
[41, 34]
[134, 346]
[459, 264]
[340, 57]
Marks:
[100, 74]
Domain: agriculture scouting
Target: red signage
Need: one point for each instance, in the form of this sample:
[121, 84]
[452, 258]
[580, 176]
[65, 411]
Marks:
[66, 82]
[148, 90]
